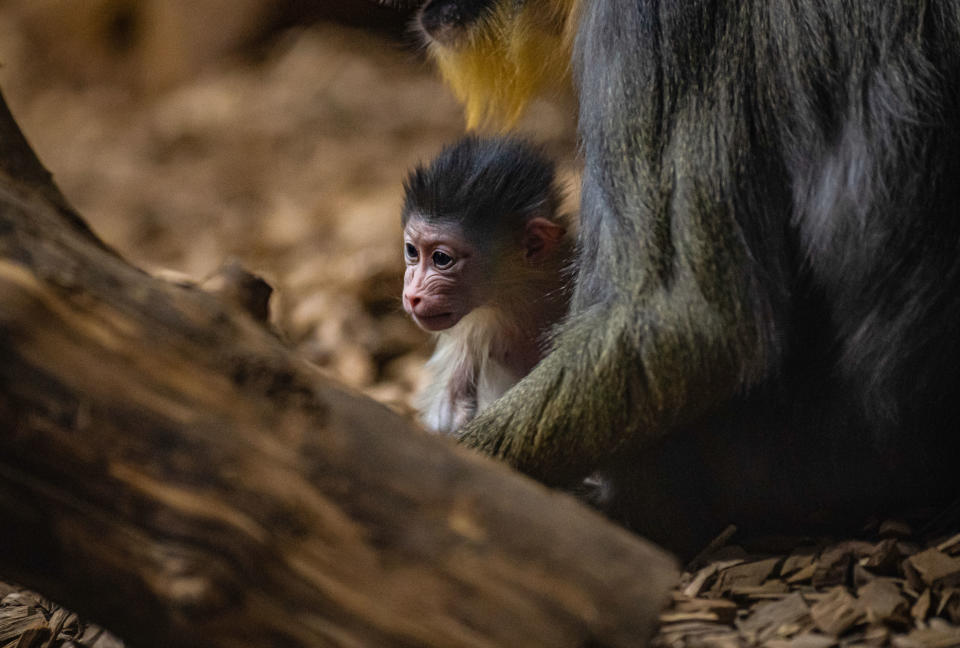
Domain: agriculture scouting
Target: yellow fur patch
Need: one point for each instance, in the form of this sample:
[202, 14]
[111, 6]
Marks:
[510, 57]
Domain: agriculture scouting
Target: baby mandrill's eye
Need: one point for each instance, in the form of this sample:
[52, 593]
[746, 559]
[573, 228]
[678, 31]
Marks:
[410, 251]
[442, 260]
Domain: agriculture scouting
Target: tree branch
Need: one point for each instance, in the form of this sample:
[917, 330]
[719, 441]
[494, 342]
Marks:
[170, 469]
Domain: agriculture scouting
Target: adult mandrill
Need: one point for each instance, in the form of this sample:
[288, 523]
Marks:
[764, 328]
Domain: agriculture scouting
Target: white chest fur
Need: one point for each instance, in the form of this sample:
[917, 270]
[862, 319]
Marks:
[469, 369]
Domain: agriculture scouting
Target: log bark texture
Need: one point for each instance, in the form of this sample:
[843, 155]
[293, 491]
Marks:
[170, 469]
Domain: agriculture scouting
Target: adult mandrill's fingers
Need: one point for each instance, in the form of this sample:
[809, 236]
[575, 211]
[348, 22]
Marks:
[477, 435]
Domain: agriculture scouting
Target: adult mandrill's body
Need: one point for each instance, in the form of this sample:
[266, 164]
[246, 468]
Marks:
[765, 328]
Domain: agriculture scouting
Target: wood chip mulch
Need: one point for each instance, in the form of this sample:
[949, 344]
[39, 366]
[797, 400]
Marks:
[893, 592]
[28, 620]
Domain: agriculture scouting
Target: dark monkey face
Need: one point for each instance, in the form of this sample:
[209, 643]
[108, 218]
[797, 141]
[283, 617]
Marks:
[446, 21]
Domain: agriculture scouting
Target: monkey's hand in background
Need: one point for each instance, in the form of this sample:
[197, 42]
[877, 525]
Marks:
[621, 375]
[547, 425]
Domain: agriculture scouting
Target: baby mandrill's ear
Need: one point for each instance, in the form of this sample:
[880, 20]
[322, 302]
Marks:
[540, 238]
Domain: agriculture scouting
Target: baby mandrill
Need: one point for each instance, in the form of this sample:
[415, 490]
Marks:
[488, 259]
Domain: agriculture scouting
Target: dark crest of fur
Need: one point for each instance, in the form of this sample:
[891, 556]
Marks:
[487, 186]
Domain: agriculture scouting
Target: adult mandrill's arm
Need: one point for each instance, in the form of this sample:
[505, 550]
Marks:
[622, 373]
[679, 294]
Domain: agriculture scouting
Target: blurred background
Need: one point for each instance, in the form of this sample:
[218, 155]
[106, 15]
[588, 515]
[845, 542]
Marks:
[273, 132]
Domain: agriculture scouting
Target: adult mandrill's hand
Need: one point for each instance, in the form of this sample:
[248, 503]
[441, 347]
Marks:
[590, 398]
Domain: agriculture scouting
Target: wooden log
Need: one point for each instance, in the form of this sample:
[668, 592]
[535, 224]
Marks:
[169, 469]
